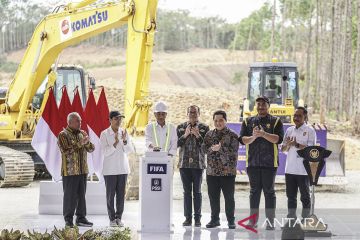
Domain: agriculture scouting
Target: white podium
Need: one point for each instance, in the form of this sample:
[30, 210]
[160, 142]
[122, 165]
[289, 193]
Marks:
[156, 192]
[51, 198]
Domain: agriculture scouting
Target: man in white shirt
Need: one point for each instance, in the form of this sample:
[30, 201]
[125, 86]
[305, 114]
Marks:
[297, 137]
[160, 135]
[115, 144]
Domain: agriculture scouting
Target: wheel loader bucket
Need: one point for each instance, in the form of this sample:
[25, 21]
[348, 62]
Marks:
[335, 164]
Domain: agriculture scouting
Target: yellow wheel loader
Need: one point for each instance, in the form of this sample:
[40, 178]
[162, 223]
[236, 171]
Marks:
[279, 81]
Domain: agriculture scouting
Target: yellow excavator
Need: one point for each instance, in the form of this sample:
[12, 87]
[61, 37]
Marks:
[21, 104]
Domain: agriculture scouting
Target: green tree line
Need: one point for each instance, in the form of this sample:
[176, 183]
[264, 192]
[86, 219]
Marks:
[176, 30]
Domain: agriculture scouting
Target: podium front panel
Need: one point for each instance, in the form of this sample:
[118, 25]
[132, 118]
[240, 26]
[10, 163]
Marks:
[156, 173]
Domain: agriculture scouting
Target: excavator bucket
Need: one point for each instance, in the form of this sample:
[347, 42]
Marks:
[337, 158]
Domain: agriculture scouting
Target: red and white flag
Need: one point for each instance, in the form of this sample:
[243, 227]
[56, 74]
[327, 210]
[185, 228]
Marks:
[44, 140]
[77, 107]
[65, 107]
[103, 110]
[93, 118]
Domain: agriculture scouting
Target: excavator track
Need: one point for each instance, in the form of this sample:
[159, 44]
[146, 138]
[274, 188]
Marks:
[16, 168]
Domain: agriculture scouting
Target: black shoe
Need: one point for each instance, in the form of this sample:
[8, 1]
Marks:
[197, 223]
[69, 224]
[270, 227]
[84, 223]
[213, 224]
[231, 225]
[187, 222]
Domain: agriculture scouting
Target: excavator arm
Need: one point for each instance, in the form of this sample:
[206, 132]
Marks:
[78, 22]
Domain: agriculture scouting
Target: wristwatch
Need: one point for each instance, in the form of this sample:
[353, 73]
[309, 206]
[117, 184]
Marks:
[297, 145]
[125, 142]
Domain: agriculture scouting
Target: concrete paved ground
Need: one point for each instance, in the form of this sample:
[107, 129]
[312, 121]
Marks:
[338, 207]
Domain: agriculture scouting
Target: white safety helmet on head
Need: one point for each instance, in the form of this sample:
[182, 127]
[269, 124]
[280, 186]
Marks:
[160, 107]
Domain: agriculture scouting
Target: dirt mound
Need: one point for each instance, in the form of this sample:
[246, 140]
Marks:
[197, 68]
[179, 98]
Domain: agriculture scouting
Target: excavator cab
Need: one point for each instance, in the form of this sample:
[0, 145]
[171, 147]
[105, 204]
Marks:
[276, 80]
[69, 76]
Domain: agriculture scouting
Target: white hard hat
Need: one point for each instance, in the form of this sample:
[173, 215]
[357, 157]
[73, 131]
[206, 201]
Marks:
[160, 107]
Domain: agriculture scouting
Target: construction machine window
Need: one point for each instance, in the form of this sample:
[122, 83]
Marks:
[273, 86]
[39, 95]
[69, 77]
[291, 86]
[255, 86]
[72, 79]
[3, 92]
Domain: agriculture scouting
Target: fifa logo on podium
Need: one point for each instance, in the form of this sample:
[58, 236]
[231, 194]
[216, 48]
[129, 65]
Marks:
[156, 168]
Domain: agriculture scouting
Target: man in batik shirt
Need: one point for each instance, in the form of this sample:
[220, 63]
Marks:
[221, 147]
[192, 163]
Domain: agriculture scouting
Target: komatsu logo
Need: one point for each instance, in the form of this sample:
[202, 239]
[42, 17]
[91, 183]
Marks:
[65, 29]
[96, 18]
[65, 26]
[156, 168]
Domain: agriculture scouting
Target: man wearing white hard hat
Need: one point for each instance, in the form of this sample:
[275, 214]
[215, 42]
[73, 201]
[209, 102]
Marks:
[160, 135]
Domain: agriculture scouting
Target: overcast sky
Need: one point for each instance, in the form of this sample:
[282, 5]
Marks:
[232, 10]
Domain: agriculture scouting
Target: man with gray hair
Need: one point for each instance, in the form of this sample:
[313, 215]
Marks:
[74, 145]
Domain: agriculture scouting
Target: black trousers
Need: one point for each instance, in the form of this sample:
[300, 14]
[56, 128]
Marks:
[115, 186]
[293, 183]
[74, 188]
[216, 184]
[262, 179]
[192, 179]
